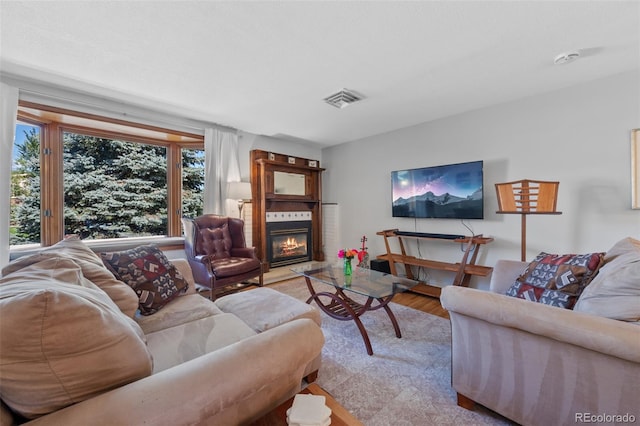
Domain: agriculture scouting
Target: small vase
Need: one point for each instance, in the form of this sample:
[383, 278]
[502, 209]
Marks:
[347, 267]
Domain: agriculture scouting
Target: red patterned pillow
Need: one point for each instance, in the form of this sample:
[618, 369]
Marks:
[556, 280]
[147, 270]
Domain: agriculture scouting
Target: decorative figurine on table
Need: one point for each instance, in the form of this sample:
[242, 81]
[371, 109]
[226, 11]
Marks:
[348, 254]
[363, 255]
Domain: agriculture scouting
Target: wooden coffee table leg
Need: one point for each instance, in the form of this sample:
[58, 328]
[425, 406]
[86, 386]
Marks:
[392, 317]
[343, 308]
[384, 303]
[365, 335]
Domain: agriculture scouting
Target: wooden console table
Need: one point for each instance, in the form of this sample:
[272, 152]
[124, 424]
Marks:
[464, 269]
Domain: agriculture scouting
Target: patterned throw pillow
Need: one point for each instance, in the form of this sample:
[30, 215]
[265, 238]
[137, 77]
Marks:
[556, 280]
[147, 270]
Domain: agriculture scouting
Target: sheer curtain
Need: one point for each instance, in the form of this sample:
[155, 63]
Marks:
[8, 113]
[221, 166]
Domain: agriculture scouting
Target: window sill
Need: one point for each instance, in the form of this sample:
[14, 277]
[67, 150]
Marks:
[115, 244]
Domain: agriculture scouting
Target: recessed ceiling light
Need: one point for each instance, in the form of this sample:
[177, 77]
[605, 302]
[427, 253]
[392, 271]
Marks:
[342, 99]
[565, 58]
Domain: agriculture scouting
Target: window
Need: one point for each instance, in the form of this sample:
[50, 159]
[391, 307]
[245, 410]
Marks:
[192, 182]
[101, 178]
[24, 226]
[113, 188]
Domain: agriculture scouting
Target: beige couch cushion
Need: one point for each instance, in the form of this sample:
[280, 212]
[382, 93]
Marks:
[615, 292]
[181, 310]
[275, 308]
[92, 269]
[63, 340]
[185, 342]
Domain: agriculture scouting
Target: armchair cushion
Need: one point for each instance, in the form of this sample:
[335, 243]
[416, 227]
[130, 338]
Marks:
[243, 252]
[148, 271]
[232, 266]
[63, 340]
[556, 280]
[215, 242]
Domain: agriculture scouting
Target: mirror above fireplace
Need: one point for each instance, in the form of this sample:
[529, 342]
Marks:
[285, 183]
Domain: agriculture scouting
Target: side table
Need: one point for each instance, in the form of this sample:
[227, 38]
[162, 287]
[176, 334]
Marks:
[339, 415]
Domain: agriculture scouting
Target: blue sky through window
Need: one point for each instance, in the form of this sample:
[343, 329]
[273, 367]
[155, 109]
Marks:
[20, 137]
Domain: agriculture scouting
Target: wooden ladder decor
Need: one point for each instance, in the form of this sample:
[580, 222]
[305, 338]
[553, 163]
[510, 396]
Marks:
[526, 197]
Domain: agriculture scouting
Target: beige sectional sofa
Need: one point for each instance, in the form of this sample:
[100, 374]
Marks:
[74, 351]
[543, 365]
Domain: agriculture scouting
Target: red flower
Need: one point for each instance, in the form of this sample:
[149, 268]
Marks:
[347, 253]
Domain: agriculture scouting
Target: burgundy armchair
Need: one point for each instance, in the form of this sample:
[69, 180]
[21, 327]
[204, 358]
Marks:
[217, 252]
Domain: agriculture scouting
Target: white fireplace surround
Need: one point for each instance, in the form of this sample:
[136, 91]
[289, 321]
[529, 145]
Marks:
[288, 216]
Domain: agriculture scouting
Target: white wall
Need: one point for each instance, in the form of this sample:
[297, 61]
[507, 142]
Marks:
[579, 136]
[249, 141]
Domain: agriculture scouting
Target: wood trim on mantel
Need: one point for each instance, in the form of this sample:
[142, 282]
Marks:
[294, 167]
[264, 199]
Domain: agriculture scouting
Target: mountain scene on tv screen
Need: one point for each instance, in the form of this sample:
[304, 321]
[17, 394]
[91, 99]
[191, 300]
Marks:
[448, 191]
[430, 205]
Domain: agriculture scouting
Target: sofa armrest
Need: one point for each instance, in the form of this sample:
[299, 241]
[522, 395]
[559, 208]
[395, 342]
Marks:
[607, 336]
[505, 273]
[203, 259]
[232, 385]
[182, 265]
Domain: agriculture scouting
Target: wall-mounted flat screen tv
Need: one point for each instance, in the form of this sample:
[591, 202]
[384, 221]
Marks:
[452, 191]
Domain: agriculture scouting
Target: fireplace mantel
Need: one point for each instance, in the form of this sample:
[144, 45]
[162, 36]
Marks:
[271, 173]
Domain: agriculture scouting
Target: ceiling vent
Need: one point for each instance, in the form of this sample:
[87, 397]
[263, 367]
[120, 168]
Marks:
[342, 99]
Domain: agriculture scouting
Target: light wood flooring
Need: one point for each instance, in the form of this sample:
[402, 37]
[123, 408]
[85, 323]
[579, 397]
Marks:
[428, 304]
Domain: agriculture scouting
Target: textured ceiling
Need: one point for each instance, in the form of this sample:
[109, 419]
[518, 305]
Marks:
[264, 67]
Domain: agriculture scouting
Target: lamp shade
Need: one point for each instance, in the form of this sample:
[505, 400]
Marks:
[239, 191]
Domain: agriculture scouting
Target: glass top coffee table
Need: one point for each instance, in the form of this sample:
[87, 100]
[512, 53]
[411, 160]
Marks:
[378, 288]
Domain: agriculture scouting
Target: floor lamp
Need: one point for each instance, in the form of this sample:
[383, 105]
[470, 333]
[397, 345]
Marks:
[525, 197]
[240, 191]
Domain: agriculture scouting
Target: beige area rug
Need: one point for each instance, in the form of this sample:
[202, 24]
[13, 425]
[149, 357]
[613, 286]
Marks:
[407, 381]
